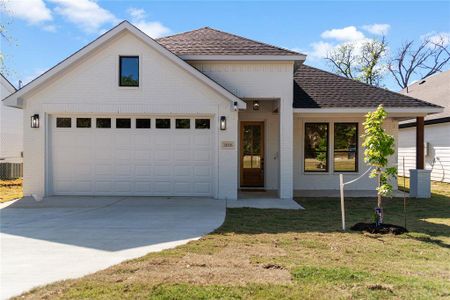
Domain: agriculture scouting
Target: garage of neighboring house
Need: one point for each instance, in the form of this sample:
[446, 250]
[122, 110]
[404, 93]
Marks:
[138, 155]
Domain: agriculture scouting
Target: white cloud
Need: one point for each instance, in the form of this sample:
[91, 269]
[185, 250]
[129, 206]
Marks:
[49, 28]
[152, 28]
[136, 13]
[345, 34]
[377, 29]
[32, 11]
[438, 38]
[320, 49]
[86, 14]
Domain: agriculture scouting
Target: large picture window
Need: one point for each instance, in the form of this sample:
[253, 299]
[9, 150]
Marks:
[345, 147]
[316, 147]
[129, 70]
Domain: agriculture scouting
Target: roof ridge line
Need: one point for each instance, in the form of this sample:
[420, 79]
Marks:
[255, 41]
[180, 33]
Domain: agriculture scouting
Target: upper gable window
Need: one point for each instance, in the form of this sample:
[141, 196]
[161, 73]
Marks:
[129, 71]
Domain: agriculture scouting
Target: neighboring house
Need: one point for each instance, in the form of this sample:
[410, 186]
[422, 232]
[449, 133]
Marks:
[11, 126]
[434, 89]
[201, 113]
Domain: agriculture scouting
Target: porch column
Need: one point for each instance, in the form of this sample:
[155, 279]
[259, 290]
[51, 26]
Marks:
[420, 179]
[420, 133]
[286, 189]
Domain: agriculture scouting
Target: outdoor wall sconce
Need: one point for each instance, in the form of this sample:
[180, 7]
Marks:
[35, 121]
[255, 105]
[223, 123]
[235, 106]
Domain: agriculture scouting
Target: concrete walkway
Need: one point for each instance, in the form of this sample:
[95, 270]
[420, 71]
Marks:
[68, 237]
[264, 203]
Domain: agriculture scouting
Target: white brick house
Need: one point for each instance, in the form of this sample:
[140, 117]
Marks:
[11, 138]
[202, 113]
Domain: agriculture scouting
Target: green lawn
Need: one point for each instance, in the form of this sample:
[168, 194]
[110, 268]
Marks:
[278, 254]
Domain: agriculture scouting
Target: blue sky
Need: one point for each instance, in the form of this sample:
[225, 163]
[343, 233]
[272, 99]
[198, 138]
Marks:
[47, 31]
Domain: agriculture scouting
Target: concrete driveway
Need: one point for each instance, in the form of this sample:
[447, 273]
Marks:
[68, 237]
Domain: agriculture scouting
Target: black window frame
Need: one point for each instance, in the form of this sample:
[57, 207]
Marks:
[96, 123]
[182, 119]
[202, 119]
[58, 125]
[356, 151]
[120, 70]
[143, 119]
[327, 151]
[78, 125]
[156, 123]
[123, 119]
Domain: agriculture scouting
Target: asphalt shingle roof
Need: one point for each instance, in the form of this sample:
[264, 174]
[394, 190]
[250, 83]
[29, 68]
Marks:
[315, 88]
[209, 41]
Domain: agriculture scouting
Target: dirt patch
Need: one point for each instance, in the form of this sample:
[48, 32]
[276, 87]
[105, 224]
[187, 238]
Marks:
[229, 266]
[381, 229]
[381, 287]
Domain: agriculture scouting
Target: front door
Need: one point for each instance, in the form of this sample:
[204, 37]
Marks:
[252, 154]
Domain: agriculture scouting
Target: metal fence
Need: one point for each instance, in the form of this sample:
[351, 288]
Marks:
[10, 170]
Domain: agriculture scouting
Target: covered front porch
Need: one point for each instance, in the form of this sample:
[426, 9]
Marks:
[322, 146]
[265, 148]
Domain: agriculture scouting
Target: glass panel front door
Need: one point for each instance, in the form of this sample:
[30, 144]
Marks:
[252, 154]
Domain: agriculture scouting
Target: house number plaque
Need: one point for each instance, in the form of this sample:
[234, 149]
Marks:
[228, 145]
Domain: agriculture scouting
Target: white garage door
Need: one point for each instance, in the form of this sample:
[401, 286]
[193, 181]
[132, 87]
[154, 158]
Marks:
[131, 156]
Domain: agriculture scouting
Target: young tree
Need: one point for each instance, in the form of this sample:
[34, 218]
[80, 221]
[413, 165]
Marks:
[379, 145]
[361, 62]
[418, 62]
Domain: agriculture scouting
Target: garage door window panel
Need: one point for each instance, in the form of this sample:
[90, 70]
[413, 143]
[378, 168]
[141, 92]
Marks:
[143, 123]
[182, 123]
[103, 123]
[202, 123]
[83, 122]
[64, 122]
[162, 123]
[123, 123]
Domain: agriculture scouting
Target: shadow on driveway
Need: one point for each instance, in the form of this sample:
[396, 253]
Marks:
[67, 237]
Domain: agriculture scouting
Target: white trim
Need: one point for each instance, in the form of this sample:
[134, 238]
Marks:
[350, 110]
[299, 57]
[12, 100]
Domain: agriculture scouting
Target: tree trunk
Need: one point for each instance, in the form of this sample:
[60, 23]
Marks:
[379, 209]
[379, 196]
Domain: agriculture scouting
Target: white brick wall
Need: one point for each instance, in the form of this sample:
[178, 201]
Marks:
[263, 80]
[91, 87]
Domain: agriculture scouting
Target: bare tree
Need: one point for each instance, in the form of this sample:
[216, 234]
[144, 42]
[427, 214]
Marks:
[343, 60]
[370, 64]
[4, 35]
[412, 62]
[362, 62]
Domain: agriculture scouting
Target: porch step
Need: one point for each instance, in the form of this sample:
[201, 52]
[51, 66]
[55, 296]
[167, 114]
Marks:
[274, 203]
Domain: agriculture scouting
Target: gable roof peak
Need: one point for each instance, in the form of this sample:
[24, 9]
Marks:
[13, 99]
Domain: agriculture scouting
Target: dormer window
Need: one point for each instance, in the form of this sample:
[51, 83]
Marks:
[129, 71]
